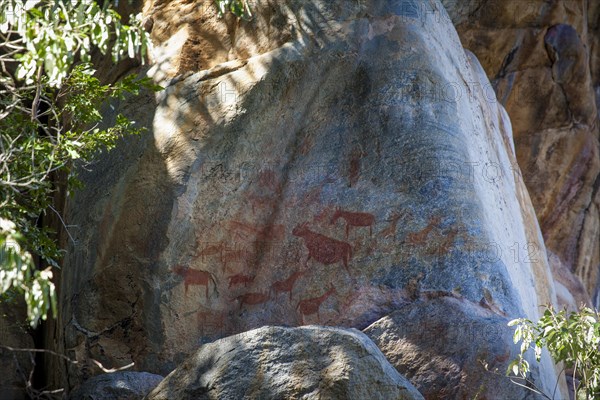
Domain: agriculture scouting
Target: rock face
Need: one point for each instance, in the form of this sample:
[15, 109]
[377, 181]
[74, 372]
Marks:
[15, 366]
[542, 59]
[334, 162]
[451, 368]
[570, 290]
[125, 385]
[287, 363]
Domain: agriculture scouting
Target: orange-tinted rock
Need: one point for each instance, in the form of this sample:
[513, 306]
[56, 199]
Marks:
[326, 179]
[542, 59]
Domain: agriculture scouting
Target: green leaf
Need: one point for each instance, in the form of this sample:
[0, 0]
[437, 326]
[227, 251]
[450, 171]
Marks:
[73, 154]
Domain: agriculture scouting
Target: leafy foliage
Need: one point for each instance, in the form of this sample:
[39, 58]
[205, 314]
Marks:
[18, 273]
[571, 338]
[50, 35]
[238, 8]
[49, 117]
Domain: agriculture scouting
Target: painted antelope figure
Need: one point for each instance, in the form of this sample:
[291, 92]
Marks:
[211, 250]
[323, 215]
[448, 241]
[195, 277]
[252, 299]
[245, 231]
[210, 321]
[235, 256]
[287, 285]
[260, 202]
[239, 279]
[313, 195]
[241, 230]
[323, 248]
[354, 219]
[420, 237]
[311, 306]
[390, 231]
[267, 178]
[270, 232]
[354, 165]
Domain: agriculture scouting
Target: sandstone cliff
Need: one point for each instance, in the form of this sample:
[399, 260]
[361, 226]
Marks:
[347, 164]
[542, 61]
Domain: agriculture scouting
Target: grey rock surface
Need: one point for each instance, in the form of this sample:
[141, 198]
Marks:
[451, 348]
[122, 385]
[310, 362]
[324, 172]
[543, 63]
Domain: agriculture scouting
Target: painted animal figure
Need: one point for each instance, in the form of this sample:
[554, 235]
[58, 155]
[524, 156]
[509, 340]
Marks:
[311, 306]
[268, 179]
[195, 277]
[287, 285]
[306, 145]
[322, 216]
[241, 230]
[210, 322]
[240, 279]
[354, 219]
[391, 228]
[354, 165]
[260, 201]
[235, 256]
[211, 250]
[448, 242]
[323, 248]
[270, 232]
[420, 237]
[313, 195]
[252, 299]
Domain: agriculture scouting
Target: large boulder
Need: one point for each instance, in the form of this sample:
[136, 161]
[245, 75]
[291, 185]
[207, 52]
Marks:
[287, 363]
[339, 159]
[451, 348]
[542, 59]
[123, 385]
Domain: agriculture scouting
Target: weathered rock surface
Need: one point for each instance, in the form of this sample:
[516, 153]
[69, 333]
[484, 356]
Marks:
[471, 336]
[15, 366]
[542, 58]
[287, 363]
[124, 385]
[327, 174]
[570, 291]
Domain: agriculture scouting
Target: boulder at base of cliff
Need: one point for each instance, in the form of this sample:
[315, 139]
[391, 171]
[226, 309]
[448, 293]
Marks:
[287, 363]
[124, 385]
[442, 344]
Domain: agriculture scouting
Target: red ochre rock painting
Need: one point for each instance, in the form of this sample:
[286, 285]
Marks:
[420, 237]
[195, 277]
[354, 219]
[322, 248]
[311, 306]
[240, 279]
[252, 298]
[287, 285]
